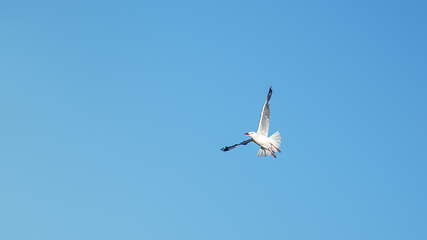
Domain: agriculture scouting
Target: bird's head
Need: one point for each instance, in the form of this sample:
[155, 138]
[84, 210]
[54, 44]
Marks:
[251, 134]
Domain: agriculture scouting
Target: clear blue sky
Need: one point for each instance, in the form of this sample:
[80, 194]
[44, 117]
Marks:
[113, 114]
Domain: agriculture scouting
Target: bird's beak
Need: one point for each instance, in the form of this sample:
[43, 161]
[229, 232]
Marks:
[246, 133]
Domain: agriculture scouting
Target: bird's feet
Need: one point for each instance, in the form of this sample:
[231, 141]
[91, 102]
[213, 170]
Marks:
[276, 148]
[272, 153]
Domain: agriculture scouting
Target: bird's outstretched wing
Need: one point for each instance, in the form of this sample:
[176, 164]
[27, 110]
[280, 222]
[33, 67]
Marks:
[235, 145]
[264, 122]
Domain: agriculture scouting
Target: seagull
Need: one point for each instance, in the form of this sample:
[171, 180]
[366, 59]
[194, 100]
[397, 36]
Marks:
[269, 145]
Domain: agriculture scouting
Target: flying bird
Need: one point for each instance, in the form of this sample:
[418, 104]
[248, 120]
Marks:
[269, 145]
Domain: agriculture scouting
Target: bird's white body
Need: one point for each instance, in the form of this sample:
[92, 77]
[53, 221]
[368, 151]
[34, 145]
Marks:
[269, 145]
[260, 139]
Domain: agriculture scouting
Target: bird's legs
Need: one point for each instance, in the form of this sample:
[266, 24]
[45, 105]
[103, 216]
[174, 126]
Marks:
[271, 152]
[276, 148]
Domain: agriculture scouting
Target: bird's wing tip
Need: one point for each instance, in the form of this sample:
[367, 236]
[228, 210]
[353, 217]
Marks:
[270, 92]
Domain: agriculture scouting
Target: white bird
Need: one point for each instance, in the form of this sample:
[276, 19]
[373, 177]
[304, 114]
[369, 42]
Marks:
[269, 145]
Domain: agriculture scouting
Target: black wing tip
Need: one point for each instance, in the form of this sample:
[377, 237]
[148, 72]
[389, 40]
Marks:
[225, 149]
[269, 93]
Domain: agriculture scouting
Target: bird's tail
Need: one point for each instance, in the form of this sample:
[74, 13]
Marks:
[276, 140]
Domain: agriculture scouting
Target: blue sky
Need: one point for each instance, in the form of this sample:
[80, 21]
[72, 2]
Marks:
[113, 114]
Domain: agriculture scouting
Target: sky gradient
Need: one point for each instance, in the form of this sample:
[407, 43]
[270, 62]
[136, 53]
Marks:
[113, 114]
